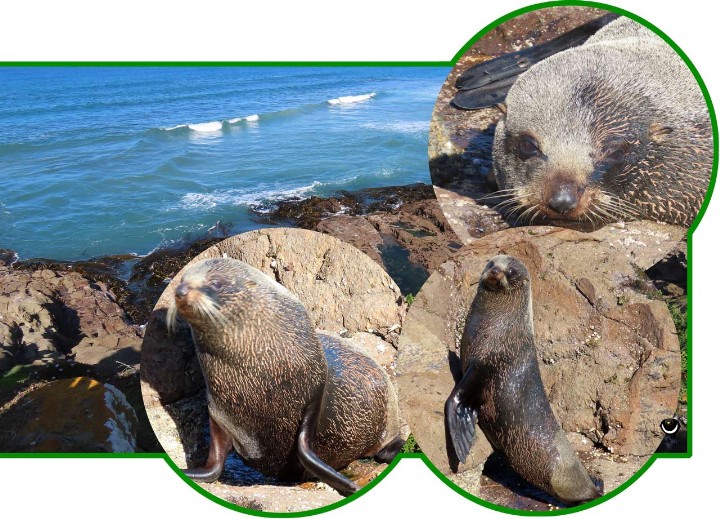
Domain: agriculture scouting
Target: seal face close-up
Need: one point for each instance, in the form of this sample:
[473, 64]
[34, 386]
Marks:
[293, 404]
[502, 391]
[573, 117]
[614, 129]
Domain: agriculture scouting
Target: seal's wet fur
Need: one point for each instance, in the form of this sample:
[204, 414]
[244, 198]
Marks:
[289, 402]
[501, 389]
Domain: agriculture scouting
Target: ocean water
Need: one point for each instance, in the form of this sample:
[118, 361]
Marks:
[98, 161]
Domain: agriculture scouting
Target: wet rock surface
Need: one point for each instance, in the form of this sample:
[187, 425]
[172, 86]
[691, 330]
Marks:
[306, 496]
[59, 324]
[70, 415]
[7, 257]
[498, 484]
[607, 347]
[346, 294]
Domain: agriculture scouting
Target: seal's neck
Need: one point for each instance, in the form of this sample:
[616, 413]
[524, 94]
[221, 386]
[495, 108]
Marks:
[506, 314]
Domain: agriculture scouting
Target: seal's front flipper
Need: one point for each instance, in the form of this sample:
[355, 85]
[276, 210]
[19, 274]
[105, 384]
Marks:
[461, 413]
[388, 453]
[599, 484]
[220, 445]
[310, 460]
[487, 83]
[486, 96]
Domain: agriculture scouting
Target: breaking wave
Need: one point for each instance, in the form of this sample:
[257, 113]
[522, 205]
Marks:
[224, 197]
[348, 100]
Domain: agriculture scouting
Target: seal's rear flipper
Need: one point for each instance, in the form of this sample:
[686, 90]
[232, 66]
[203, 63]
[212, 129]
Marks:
[220, 445]
[388, 453]
[487, 83]
[310, 460]
[461, 413]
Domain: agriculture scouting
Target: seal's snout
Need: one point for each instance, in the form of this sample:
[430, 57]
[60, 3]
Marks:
[184, 298]
[564, 199]
[188, 293]
[494, 278]
[496, 272]
[182, 290]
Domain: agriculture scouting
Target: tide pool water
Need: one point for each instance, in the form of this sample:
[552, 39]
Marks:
[97, 161]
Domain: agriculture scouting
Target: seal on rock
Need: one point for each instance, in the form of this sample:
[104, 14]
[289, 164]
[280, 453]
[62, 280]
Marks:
[502, 391]
[614, 129]
[291, 403]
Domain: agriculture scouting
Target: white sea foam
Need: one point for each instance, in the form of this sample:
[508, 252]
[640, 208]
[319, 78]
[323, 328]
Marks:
[207, 201]
[346, 100]
[249, 118]
[209, 127]
[385, 172]
[404, 127]
[212, 126]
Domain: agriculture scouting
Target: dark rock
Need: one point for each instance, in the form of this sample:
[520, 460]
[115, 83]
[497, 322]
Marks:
[149, 276]
[7, 257]
[308, 212]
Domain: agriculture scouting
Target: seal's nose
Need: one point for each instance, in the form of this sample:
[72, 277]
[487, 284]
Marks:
[182, 290]
[563, 200]
[496, 272]
[493, 279]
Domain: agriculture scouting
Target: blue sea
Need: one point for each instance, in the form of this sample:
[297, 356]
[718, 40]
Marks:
[113, 160]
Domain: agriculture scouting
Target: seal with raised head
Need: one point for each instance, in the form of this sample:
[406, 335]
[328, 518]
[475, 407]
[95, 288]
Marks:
[291, 403]
[501, 389]
[614, 129]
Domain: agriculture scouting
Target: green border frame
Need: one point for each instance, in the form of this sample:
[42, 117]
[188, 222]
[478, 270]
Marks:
[451, 63]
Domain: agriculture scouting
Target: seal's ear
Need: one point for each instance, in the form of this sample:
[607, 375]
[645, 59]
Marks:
[658, 132]
[502, 107]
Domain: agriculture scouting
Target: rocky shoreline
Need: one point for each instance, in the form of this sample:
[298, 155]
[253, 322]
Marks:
[60, 319]
[401, 228]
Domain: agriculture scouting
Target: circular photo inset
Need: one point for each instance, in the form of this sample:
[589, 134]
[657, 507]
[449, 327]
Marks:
[574, 117]
[536, 367]
[267, 370]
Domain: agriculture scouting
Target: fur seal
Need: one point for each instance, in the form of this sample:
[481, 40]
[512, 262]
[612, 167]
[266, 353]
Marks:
[614, 129]
[290, 403]
[502, 391]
